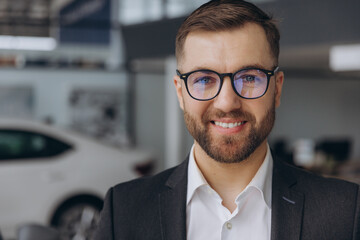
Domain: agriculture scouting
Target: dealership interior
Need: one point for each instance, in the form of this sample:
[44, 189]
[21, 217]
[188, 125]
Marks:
[87, 101]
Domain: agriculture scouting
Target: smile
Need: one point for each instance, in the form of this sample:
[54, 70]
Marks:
[228, 125]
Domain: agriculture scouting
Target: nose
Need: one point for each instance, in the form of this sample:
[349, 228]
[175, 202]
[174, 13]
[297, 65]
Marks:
[227, 100]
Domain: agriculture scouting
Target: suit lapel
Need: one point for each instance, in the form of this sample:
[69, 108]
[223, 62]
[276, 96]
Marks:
[287, 205]
[172, 205]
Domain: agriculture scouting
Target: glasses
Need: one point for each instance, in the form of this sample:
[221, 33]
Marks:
[248, 83]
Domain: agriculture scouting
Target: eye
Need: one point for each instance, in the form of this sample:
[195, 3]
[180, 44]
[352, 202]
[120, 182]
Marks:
[203, 80]
[249, 78]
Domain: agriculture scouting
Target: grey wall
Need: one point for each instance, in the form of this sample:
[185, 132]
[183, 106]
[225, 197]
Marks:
[320, 108]
[150, 114]
[150, 117]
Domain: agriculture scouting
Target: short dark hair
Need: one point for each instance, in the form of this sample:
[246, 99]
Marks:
[220, 15]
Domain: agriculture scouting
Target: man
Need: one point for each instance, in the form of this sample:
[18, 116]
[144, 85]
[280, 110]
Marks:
[230, 187]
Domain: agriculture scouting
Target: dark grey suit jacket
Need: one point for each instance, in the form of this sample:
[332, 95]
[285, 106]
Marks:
[304, 206]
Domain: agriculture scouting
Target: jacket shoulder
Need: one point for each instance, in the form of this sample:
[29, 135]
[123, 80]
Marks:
[312, 183]
[330, 207]
[146, 186]
[135, 203]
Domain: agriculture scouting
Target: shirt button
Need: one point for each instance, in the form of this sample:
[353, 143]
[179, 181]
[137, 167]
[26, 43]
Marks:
[228, 225]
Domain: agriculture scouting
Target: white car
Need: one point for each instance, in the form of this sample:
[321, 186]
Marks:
[58, 178]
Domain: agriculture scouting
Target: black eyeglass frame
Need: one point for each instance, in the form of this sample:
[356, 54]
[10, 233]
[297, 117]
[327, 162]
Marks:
[268, 73]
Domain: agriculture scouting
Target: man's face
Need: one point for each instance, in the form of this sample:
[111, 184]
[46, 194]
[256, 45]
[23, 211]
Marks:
[229, 128]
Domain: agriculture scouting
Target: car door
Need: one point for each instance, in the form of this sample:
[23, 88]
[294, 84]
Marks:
[26, 160]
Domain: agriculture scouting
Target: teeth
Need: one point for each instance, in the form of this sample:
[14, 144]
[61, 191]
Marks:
[228, 125]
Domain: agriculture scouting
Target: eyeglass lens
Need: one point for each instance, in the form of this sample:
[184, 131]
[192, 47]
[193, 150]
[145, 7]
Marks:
[203, 84]
[249, 83]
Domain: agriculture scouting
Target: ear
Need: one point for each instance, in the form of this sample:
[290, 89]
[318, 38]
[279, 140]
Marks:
[278, 87]
[178, 88]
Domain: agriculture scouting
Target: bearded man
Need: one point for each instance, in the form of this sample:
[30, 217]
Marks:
[228, 85]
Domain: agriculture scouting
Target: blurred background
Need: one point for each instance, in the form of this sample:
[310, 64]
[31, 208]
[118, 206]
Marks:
[87, 100]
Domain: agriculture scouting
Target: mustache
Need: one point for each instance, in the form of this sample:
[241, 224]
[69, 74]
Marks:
[238, 113]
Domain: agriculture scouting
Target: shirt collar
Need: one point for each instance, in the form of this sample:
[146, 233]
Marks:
[262, 179]
[195, 178]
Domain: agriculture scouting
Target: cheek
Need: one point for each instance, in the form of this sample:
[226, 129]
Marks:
[260, 108]
[194, 108]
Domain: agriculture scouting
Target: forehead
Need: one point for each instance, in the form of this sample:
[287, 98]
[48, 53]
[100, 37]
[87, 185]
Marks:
[227, 51]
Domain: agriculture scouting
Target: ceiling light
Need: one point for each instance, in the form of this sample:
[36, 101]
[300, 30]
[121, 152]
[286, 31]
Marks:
[345, 57]
[27, 43]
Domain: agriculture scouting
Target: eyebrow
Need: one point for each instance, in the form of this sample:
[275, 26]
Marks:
[242, 67]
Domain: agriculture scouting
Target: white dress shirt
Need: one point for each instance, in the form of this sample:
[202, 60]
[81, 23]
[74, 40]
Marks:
[208, 219]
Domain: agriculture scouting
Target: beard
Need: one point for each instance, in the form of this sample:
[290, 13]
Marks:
[230, 149]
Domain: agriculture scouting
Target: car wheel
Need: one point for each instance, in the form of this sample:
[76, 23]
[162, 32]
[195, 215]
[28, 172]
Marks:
[78, 221]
